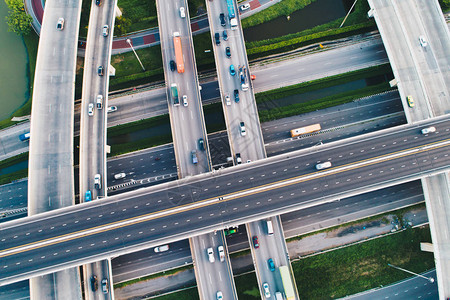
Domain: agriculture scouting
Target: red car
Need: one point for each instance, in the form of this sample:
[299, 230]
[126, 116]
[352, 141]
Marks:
[253, 77]
[255, 242]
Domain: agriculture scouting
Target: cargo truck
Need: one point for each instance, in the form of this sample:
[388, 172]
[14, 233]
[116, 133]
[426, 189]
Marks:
[305, 130]
[178, 52]
[287, 283]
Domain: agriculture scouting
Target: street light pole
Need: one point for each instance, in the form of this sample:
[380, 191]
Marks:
[430, 279]
[129, 43]
[348, 13]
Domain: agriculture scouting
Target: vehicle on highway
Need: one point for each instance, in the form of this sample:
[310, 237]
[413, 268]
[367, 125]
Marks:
[210, 252]
[278, 296]
[178, 52]
[25, 136]
[162, 248]
[271, 265]
[231, 230]
[228, 52]
[231, 14]
[217, 38]
[242, 129]
[194, 157]
[60, 24]
[99, 101]
[182, 12]
[94, 283]
[221, 253]
[225, 35]
[97, 182]
[91, 109]
[232, 70]
[105, 30]
[238, 159]
[120, 175]
[266, 290]
[410, 101]
[255, 241]
[112, 109]
[87, 196]
[172, 65]
[227, 99]
[105, 287]
[236, 96]
[219, 295]
[428, 130]
[304, 130]
[269, 227]
[423, 42]
[222, 19]
[98, 2]
[323, 165]
[245, 6]
[289, 291]
[185, 102]
[100, 71]
[252, 77]
[174, 92]
[201, 144]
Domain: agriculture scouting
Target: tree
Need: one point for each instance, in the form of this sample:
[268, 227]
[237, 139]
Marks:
[18, 20]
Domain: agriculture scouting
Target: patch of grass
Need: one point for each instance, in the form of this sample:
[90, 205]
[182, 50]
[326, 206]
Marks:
[31, 41]
[240, 253]
[186, 294]
[247, 286]
[363, 266]
[119, 149]
[317, 104]
[204, 60]
[8, 178]
[196, 7]
[445, 5]
[13, 160]
[84, 20]
[136, 15]
[137, 125]
[156, 275]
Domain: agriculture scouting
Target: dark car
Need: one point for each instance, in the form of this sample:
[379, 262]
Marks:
[255, 242]
[100, 71]
[236, 96]
[271, 265]
[172, 65]
[228, 52]
[201, 144]
[217, 37]
[94, 283]
[98, 2]
[222, 19]
[225, 35]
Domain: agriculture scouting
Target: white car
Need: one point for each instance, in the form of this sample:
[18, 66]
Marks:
[112, 109]
[323, 165]
[60, 24]
[219, 295]
[423, 41]
[185, 102]
[105, 30]
[161, 248]
[210, 252]
[99, 101]
[182, 12]
[91, 109]
[227, 100]
[245, 6]
[266, 290]
[242, 129]
[428, 130]
[221, 253]
[120, 175]
[97, 182]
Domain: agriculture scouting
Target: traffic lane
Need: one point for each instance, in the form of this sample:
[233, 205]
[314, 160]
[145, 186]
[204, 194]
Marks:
[199, 219]
[17, 290]
[244, 177]
[375, 106]
[13, 195]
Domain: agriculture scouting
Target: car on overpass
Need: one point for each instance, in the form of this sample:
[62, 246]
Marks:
[410, 101]
[428, 130]
[60, 24]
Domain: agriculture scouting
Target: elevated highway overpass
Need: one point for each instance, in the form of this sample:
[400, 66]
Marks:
[124, 223]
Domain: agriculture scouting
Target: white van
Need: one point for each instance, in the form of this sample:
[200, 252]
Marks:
[278, 296]
[120, 175]
[323, 165]
[161, 248]
[269, 227]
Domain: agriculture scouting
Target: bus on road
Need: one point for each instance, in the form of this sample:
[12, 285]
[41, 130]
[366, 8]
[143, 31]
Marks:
[305, 130]
[287, 283]
[178, 52]
[174, 92]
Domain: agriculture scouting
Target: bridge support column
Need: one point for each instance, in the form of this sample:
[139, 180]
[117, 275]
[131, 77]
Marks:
[117, 11]
[370, 13]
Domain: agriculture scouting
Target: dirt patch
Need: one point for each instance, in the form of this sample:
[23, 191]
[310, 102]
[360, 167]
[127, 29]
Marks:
[80, 64]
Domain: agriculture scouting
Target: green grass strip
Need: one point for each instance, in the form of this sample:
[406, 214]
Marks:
[8, 178]
[152, 276]
[301, 108]
[363, 266]
[247, 286]
[124, 148]
[186, 294]
[13, 160]
[138, 125]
